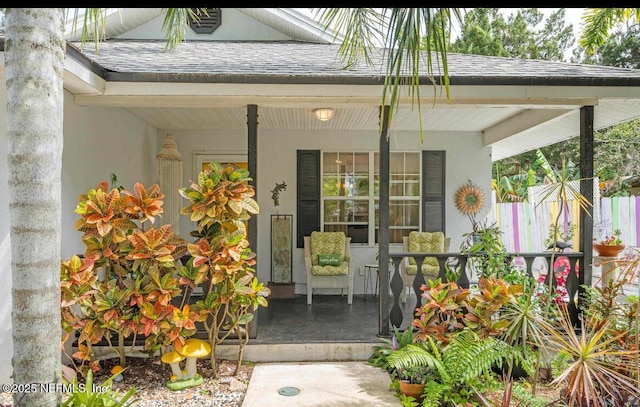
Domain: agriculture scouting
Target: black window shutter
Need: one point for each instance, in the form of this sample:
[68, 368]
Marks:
[433, 191]
[308, 198]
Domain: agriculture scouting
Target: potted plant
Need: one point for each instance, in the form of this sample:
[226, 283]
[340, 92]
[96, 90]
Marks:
[449, 372]
[484, 243]
[412, 381]
[610, 245]
[381, 351]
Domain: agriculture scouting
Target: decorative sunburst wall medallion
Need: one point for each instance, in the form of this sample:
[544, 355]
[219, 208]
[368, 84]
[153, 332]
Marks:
[469, 199]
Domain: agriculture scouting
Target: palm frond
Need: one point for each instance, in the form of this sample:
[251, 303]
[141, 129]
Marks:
[401, 32]
[597, 369]
[598, 22]
[362, 29]
[93, 24]
[563, 190]
[175, 24]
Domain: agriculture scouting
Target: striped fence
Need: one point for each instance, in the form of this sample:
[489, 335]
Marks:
[526, 226]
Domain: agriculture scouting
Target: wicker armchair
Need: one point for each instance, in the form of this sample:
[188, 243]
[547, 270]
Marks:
[421, 242]
[328, 263]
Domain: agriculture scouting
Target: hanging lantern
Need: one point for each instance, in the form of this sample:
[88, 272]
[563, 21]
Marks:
[169, 163]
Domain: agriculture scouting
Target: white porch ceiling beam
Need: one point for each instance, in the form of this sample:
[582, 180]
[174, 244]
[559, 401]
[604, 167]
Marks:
[527, 120]
[459, 94]
[357, 98]
[311, 101]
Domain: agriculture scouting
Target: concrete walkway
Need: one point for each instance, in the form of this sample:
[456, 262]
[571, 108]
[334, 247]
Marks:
[319, 384]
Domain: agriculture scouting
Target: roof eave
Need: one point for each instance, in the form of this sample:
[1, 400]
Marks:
[363, 80]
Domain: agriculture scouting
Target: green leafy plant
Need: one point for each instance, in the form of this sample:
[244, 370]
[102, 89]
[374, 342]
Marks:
[90, 394]
[414, 374]
[512, 394]
[484, 304]
[523, 331]
[559, 233]
[448, 309]
[610, 240]
[382, 350]
[466, 360]
[509, 311]
[220, 203]
[488, 255]
[124, 283]
[442, 311]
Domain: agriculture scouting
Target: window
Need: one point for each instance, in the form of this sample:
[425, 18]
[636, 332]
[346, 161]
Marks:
[404, 194]
[338, 191]
[350, 186]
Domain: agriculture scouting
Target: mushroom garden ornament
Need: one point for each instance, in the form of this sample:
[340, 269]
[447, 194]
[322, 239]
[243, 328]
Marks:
[192, 350]
[173, 359]
[117, 372]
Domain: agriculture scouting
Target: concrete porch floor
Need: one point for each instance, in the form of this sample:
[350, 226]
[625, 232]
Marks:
[289, 330]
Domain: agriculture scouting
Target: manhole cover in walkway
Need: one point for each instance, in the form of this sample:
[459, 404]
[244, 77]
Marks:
[289, 391]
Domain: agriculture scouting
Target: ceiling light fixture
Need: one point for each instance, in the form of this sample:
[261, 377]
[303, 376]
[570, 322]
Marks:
[324, 113]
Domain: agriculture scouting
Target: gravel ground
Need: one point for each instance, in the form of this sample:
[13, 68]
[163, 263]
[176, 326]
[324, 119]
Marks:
[149, 377]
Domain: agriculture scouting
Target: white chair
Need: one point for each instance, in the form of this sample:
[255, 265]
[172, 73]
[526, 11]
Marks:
[421, 242]
[334, 268]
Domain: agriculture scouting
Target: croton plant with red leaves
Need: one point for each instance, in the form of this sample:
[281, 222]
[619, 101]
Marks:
[124, 283]
[221, 202]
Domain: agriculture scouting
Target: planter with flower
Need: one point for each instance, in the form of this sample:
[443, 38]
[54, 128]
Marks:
[610, 245]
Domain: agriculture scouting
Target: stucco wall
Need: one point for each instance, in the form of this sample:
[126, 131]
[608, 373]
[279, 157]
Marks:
[466, 160]
[98, 142]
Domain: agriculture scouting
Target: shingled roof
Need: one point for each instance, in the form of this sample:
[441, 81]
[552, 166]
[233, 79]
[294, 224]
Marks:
[299, 62]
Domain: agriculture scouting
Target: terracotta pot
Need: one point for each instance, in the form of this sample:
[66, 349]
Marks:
[411, 389]
[608, 250]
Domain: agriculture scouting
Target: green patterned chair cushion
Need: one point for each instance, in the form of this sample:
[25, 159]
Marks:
[328, 243]
[425, 242]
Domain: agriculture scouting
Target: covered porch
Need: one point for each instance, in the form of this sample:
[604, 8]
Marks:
[253, 102]
[331, 320]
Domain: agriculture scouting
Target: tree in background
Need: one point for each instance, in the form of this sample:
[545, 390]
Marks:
[621, 49]
[486, 32]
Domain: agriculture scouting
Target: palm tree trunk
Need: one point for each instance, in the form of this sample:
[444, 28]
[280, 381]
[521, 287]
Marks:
[34, 62]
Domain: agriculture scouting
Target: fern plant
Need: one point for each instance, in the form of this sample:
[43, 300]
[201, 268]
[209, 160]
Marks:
[466, 362]
[381, 351]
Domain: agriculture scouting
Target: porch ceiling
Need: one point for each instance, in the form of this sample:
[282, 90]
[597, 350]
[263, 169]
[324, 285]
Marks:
[508, 130]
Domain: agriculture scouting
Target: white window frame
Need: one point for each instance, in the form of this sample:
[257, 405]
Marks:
[371, 223]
